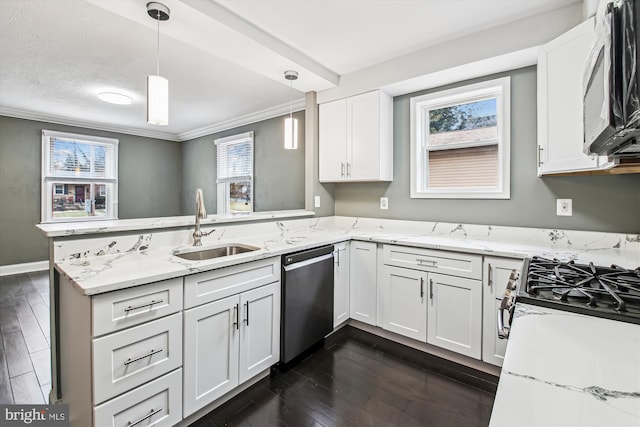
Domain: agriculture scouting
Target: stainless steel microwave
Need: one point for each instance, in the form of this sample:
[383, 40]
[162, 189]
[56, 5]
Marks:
[612, 82]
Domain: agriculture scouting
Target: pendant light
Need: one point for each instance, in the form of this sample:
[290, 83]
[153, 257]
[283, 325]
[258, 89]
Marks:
[290, 124]
[157, 86]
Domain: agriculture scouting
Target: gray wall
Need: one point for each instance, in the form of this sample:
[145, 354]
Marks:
[278, 173]
[150, 174]
[600, 203]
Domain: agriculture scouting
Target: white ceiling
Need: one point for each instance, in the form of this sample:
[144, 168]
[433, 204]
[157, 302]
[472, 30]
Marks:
[224, 60]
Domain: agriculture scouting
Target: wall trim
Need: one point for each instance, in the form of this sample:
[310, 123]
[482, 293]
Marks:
[27, 267]
[51, 118]
[268, 113]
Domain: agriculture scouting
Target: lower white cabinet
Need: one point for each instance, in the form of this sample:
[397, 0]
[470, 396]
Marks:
[340, 283]
[228, 341]
[158, 404]
[363, 282]
[496, 275]
[403, 302]
[455, 314]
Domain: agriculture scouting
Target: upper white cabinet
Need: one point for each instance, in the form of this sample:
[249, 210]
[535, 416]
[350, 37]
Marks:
[561, 65]
[340, 283]
[363, 282]
[356, 141]
[496, 276]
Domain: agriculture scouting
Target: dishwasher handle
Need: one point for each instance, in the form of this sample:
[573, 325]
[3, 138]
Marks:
[307, 262]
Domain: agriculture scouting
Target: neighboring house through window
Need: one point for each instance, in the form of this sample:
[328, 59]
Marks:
[460, 142]
[79, 177]
[235, 173]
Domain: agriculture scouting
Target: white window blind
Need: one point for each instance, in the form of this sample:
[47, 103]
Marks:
[234, 175]
[79, 177]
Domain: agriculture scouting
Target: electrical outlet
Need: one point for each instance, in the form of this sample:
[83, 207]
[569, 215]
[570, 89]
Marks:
[384, 203]
[564, 207]
[316, 201]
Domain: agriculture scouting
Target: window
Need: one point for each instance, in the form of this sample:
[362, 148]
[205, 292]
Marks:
[79, 177]
[235, 173]
[460, 142]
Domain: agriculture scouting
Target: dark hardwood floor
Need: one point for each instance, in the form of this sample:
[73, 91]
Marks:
[359, 379]
[25, 361]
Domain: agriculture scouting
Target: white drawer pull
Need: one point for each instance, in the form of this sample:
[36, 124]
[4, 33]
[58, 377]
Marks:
[149, 304]
[151, 353]
[430, 261]
[149, 415]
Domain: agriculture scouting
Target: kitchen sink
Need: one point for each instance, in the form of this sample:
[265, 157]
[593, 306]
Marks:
[216, 252]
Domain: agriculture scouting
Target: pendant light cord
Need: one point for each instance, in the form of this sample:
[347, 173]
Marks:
[158, 55]
[290, 99]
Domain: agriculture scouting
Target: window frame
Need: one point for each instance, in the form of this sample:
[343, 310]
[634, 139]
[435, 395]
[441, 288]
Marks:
[49, 179]
[223, 199]
[420, 106]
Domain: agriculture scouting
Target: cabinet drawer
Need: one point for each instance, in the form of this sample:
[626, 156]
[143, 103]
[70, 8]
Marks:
[213, 285]
[124, 360]
[445, 262]
[158, 403]
[117, 310]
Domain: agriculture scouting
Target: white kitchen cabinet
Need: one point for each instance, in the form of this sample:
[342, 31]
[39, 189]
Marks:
[355, 138]
[403, 302]
[228, 341]
[496, 276]
[340, 283]
[260, 330]
[454, 314]
[363, 282]
[561, 65]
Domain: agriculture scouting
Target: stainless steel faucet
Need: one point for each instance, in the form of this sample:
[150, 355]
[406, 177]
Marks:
[201, 213]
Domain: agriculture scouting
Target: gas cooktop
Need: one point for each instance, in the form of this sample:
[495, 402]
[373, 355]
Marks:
[611, 292]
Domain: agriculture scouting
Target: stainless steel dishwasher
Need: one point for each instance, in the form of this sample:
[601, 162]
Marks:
[307, 300]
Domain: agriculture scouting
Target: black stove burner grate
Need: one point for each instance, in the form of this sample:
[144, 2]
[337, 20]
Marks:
[596, 287]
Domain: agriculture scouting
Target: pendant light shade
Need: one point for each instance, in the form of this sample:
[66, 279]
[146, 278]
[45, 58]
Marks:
[290, 124]
[157, 100]
[291, 133]
[157, 86]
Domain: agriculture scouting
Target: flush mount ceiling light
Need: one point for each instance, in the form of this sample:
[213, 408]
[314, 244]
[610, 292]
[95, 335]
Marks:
[290, 124]
[157, 86]
[115, 98]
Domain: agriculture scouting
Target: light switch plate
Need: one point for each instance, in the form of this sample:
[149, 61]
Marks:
[564, 207]
[384, 203]
[316, 201]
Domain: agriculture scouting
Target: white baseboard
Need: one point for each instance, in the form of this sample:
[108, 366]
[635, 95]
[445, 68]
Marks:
[27, 267]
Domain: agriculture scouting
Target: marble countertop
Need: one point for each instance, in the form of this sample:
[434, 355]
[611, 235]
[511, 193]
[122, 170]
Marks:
[145, 258]
[566, 369]
[60, 229]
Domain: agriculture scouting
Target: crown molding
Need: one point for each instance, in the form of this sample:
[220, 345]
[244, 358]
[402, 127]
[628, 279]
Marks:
[265, 114]
[50, 118]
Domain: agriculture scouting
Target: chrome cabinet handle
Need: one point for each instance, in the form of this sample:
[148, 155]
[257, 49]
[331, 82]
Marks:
[348, 169]
[236, 323]
[146, 417]
[490, 281]
[247, 318]
[431, 289]
[151, 353]
[337, 257]
[422, 288]
[149, 304]
[430, 261]
[342, 169]
[540, 162]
